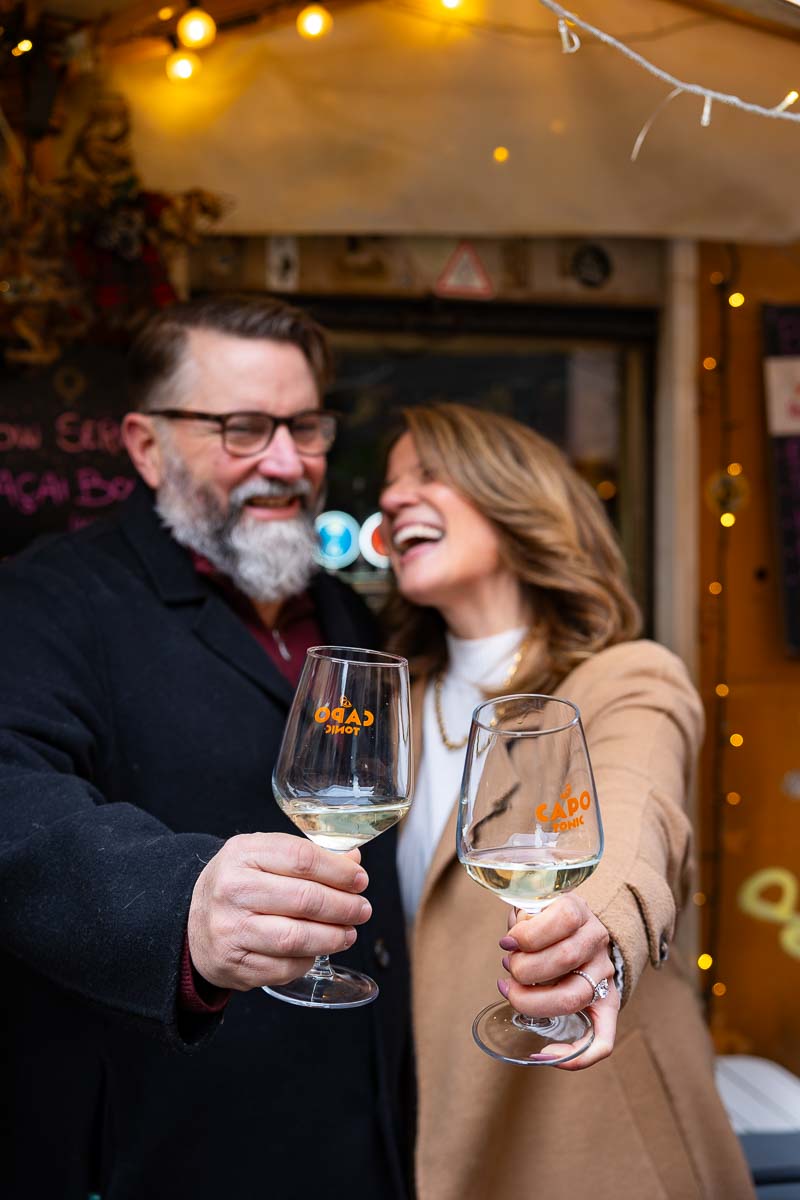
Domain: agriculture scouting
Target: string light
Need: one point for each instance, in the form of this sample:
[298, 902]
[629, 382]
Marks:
[710, 363]
[699, 898]
[500, 154]
[196, 28]
[728, 492]
[570, 43]
[606, 489]
[22, 47]
[314, 21]
[182, 65]
[164, 14]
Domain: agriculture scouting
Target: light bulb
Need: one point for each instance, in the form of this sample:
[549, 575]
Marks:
[196, 28]
[705, 961]
[314, 21]
[736, 299]
[787, 101]
[182, 65]
[500, 154]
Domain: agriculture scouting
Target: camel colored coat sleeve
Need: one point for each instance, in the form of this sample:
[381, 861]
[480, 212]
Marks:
[644, 725]
[647, 1121]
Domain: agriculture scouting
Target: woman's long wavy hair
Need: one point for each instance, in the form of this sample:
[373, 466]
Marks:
[553, 532]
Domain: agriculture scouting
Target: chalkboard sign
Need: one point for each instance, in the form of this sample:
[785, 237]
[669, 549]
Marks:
[782, 391]
[62, 462]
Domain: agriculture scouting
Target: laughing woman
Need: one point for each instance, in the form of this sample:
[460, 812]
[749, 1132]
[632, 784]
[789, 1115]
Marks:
[509, 579]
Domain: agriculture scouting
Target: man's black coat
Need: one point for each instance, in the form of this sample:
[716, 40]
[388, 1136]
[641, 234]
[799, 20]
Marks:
[139, 723]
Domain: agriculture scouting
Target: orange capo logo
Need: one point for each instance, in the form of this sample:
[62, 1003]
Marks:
[563, 818]
[335, 721]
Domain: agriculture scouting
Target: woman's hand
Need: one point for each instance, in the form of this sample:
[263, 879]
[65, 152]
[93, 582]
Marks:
[543, 951]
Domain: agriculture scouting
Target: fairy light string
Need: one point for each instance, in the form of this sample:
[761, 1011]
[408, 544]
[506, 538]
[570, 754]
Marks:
[719, 367]
[570, 43]
[777, 113]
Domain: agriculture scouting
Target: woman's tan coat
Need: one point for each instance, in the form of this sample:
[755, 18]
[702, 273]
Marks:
[646, 1123]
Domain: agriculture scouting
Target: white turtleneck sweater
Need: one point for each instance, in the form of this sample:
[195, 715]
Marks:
[474, 665]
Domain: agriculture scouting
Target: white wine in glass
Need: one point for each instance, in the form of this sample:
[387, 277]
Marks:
[344, 775]
[529, 830]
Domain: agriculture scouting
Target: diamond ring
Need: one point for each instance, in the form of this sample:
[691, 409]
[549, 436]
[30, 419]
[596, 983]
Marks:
[599, 990]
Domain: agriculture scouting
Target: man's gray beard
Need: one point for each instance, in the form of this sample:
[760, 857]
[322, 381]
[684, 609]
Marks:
[267, 560]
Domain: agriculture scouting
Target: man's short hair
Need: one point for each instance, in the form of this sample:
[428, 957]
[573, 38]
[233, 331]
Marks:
[158, 350]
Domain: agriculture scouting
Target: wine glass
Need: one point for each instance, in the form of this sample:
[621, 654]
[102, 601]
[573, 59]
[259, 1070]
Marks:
[344, 774]
[529, 829]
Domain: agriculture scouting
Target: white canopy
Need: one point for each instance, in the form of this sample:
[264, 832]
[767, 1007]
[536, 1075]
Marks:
[388, 124]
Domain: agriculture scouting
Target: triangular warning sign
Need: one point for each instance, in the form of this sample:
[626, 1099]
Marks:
[464, 276]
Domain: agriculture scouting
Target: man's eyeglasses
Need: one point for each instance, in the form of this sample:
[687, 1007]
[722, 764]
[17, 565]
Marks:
[246, 433]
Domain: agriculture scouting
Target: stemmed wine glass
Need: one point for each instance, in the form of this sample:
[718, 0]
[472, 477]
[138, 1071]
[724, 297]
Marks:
[529, 829]
[344, 774]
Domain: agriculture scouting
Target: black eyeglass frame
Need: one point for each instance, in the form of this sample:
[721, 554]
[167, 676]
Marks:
[223, 419]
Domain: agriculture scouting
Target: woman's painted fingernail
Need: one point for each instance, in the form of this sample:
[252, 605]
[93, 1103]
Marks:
[509, 943]
[504, 961]
[502, 987]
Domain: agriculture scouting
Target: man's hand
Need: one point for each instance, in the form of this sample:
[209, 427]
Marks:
[267, 903]
[547, 947]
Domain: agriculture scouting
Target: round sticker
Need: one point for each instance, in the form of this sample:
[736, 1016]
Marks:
[338, 539]
[371, 544]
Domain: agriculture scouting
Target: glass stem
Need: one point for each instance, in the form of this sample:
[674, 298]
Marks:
[533, 1024]
[321, 969]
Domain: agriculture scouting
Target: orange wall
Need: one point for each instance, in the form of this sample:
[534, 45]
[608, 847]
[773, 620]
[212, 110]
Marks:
[756, 955]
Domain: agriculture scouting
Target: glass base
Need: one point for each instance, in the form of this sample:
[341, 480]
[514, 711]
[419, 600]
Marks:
[506, 1035]
[340, 988]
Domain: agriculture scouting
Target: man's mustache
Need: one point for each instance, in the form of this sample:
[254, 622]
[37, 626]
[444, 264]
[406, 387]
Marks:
[268, 489]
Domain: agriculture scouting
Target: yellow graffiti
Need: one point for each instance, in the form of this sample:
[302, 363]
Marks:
[781, 911]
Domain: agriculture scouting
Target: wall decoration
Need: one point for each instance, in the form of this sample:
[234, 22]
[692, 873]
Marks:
[757, 899]
[87, 251]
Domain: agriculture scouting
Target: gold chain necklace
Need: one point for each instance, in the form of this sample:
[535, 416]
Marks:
[438, 685]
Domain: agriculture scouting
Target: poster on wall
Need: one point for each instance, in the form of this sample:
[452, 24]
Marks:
[782, 395]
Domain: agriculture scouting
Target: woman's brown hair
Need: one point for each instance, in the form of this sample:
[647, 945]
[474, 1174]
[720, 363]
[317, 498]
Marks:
[553, 532]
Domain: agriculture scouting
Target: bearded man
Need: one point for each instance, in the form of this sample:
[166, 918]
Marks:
[150, 883]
